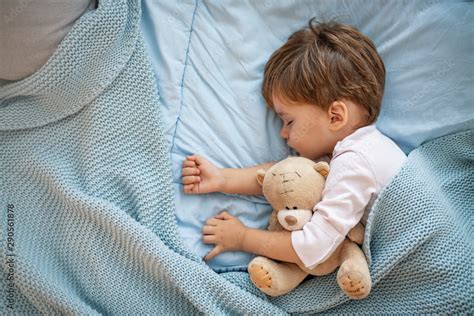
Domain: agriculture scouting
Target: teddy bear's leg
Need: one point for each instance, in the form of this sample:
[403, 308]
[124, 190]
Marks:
[274, 278]
[353, 276]
[356, 234]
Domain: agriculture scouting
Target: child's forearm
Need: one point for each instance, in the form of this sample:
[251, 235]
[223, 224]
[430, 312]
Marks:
[243, 181]
[272, 244]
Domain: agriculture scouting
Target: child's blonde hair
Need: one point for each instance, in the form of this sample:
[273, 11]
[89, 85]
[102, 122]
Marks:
[324, 62]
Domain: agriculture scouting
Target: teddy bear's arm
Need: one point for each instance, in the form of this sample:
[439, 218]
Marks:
[273, 224]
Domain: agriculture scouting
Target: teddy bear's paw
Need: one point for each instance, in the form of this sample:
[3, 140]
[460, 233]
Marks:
[353, 286]
[354, 283]
[260, 276]
[274, 278]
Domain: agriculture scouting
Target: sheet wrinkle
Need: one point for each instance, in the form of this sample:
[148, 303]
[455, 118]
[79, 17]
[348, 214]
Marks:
[183, 76]
[146, 268]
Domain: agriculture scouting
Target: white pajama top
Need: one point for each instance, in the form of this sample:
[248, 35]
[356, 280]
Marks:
[362, 164]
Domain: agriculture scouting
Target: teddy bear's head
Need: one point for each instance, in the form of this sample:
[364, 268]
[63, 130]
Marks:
[293, 186]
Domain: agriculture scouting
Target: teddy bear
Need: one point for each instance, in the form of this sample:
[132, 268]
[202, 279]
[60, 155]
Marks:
[293, 187]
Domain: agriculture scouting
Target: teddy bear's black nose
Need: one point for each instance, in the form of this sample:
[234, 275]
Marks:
[290, 220]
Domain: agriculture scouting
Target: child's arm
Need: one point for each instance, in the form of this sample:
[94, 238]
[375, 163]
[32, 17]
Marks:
[227, 233]
[201, 176]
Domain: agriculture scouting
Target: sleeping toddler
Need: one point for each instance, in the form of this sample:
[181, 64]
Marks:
[326, 84]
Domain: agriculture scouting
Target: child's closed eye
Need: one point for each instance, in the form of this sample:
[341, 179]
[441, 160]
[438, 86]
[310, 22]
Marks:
[289, 123]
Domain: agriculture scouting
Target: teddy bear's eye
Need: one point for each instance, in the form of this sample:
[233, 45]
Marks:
[295, 207]
[287, 207]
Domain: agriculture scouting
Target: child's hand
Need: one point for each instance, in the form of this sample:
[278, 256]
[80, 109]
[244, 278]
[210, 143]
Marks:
[224, 231]
[201, 176]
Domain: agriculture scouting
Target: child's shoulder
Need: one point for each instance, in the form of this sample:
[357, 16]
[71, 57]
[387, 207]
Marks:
[381, 153]
[368, 141]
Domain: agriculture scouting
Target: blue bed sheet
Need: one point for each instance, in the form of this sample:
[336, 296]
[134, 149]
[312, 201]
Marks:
[88, 219]
[208, 57]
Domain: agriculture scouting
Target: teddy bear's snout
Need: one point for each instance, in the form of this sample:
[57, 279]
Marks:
[290, 220]
[294, 219]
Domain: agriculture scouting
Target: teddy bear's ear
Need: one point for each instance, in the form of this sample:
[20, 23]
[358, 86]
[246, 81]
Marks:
[322, 167]
[260, 176]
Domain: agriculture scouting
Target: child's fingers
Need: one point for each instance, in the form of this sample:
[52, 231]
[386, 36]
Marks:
[209, 239]
[198, 159]
[191, 171]
[223, 215]
[212, 221]
[214, 252]
[188, 188]
[188, 163]
[192, 157]
[208, 230]
[195, 189]
[190, 179]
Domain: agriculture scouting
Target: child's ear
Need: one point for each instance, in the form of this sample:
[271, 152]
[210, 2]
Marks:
[322, 168]
[338, 115]
[260, 176]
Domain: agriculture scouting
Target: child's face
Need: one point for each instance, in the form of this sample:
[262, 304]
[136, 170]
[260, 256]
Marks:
[305, 128]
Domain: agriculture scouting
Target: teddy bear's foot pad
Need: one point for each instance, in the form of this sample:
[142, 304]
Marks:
[354, 284]
[260, 276]
[274, 278]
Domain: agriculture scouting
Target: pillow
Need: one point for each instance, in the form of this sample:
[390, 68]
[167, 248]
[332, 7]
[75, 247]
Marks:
[209, 56]
[30, 31]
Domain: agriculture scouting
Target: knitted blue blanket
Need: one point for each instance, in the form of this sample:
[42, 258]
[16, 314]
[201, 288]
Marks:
[87, 213]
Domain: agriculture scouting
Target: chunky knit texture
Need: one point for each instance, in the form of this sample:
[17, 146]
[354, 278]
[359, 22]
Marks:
[85, 184]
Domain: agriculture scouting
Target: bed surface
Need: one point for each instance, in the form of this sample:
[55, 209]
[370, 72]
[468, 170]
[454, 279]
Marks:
[208, 57]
